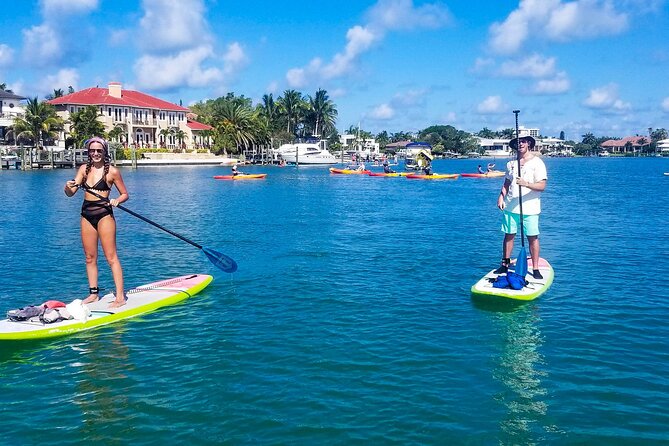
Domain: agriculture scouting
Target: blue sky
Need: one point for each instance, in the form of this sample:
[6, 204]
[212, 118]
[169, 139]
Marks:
[578, 66]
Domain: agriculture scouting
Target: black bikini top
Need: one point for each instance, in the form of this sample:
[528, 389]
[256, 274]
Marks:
[101, 185]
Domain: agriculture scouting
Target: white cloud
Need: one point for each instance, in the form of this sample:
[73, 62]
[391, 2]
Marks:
[402, 15]
[173, 71]
[534, 66]
[273, 87]
[483, 65]
[584, 19]
[359, 40]
[557, 85]
[665, 104]
[63, 37]
[556, 20]
[301, 77]
[410, 98]
[450, 118]
[118, 37]
[606, 97]
[383, 112]
[383, 17]
[41, 45]
[6, 55]
[178, 48]
[234, 59]
[173, 26]
[491, 105]
[61, 80]
[54, 8]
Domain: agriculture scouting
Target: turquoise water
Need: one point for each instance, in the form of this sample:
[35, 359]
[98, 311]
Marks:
[350, 318]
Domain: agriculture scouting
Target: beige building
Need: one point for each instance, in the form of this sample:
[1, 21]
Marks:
[145, 121]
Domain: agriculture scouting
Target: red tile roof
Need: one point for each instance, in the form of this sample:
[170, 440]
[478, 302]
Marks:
[634, 140]
[129, 98]
[194, 125]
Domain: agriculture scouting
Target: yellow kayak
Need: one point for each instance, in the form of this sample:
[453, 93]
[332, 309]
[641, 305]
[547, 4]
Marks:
[434, 176]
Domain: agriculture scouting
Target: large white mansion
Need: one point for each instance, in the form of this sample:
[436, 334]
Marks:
[145, 120]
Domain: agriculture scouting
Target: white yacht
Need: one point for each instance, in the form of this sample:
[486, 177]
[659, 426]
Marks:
[498, 153]
[307, 153]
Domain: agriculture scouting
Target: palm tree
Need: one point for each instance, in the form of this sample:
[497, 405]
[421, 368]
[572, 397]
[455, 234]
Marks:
[180, 135]
[165, 133]
[322, 112]
[291, 104]
[234, 124]
[85, 124]
[117, 132]
[38, 123]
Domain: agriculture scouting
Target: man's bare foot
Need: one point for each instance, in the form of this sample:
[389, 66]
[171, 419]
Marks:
[92, 298]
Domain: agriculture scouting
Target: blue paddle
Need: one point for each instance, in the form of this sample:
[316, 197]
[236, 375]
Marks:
[521, 261]
[220, 260]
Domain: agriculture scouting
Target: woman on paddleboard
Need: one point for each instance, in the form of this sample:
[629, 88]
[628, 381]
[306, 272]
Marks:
[97, 217]
[532, 177]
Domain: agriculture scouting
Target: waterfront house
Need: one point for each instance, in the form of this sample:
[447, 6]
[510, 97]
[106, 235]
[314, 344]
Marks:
[365, 147]
[11, 107]
[629, 144]
[146, 121]
[663, 147]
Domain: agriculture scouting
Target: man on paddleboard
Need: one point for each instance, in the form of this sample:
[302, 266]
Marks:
[532, 179]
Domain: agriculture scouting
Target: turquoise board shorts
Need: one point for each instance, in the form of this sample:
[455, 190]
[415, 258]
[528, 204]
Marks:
[510, 223]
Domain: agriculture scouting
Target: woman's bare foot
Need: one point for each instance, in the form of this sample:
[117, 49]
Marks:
[118, 303]
[92, 298]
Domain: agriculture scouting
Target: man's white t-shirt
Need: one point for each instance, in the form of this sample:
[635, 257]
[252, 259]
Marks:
[532, 171]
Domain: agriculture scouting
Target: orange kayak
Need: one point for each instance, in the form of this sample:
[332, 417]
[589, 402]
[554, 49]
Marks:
[349, 171]
[245, 176]
[434, 176]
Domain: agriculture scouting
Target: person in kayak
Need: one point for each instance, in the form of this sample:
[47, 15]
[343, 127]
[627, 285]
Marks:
[491, 167]
[386, 166]
[480, 169]
[97, 217]
[235, 171]
[428, 167]
[532, 178]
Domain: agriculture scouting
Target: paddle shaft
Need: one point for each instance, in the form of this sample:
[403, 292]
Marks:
[520, 190]
[141, 217]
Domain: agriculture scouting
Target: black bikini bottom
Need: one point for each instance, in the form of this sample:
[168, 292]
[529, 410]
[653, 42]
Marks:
[95, 210]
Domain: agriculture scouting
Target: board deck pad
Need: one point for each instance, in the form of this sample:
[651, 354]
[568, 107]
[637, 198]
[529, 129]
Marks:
[141, 300]
[534, 288]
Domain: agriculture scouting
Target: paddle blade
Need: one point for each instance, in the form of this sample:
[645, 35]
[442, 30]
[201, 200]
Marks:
[220, 261]
[521, 263]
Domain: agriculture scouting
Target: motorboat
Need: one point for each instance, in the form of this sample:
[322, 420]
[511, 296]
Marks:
[306, 153]
[498, 153]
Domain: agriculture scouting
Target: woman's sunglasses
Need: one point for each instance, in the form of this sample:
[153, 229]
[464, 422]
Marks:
[96, 151]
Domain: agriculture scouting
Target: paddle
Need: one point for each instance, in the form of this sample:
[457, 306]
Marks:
[220, 261]
[521, 261]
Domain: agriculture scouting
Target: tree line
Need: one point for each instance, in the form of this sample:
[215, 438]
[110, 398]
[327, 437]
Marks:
[238, 125]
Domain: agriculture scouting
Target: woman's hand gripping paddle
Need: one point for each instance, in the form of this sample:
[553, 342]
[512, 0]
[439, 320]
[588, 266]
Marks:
[521, 261]
[219, 260]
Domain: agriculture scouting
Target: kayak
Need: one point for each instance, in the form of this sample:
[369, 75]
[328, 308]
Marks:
[349, 171]
[383, 174]
[141, 300]
[434, 176]
[534, 289]
[243, 176]
[491, 174]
